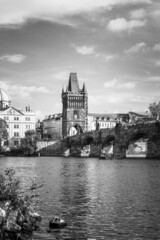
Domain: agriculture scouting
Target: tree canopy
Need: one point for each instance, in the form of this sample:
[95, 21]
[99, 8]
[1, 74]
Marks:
[29, 142]
[154, 109]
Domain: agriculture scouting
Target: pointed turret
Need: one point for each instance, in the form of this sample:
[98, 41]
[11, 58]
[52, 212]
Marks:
[73, 85]
[62, 90]
[84, 89]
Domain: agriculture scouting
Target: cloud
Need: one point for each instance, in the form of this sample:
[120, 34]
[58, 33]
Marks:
[156, 47]
[84, 50]
[22, 91]
[17, 12]
[153, 79]
[39, 115]
[157, 63]
[90, 50]
[106, 57]
[112, 98]
[138, 14]
[155, 14]
[116, 83]
[61, 75]
[122, 25]
[17, 58]
[138, 47]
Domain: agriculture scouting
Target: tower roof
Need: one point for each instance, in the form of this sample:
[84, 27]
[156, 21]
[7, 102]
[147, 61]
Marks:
[84, 89]
[73, 85]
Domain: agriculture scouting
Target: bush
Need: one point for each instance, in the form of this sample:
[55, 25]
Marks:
[11, 190]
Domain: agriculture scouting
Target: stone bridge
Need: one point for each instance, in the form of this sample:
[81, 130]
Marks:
[120, 136]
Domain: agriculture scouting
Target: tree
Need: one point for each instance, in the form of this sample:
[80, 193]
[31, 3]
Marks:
[154, 109]
[3, 131]
[11, 190]
[29, 144]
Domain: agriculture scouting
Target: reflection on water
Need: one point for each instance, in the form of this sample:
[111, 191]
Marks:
[113, 199]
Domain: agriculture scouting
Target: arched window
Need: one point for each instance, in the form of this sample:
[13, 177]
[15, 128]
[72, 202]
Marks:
[76, 114]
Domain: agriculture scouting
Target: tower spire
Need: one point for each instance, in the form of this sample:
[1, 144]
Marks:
[84, 89]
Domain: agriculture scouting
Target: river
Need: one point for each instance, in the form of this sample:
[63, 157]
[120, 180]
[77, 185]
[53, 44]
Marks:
[111, 200]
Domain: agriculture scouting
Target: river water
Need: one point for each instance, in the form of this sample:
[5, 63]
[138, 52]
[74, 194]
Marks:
[111, 200]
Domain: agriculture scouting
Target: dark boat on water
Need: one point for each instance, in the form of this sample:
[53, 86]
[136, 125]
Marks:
[57, 222]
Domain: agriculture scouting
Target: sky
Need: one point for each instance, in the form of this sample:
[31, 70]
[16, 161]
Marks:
[113, 45]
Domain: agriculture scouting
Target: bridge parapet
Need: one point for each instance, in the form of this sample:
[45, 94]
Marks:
[120, 136]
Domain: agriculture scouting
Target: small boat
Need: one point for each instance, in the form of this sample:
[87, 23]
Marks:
[57, 222]
[105, 156]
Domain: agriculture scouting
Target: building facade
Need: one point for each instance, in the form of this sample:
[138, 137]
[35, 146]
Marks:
[74, 108]
[18, 121]
[52, 127]
[100, 121]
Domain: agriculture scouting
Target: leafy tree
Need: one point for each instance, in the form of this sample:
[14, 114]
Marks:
[29, 144]
[154, 109]
[3, 131]
[11, 190]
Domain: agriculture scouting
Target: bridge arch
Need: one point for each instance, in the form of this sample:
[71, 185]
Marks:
[88, 140]
[108, 141]
[135, 137]
[75, 129]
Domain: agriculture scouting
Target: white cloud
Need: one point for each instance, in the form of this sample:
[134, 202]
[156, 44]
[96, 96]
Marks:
[111, 83]
[61, 75]
[155, 14]
[39, 115]
[121, 24]
[157, 63]
[153, 79]
[15, 12]
[17, 58]
[116, 83]
[90, 50]
[106, 57]
[22, 91]
[84, 50]
[156, 47]
[138, 47]
[138, 14]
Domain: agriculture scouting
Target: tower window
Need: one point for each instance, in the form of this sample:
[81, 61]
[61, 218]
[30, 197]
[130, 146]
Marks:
[76, 115]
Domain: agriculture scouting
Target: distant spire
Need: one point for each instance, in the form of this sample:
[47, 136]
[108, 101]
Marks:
[84, 88]
[62, 90]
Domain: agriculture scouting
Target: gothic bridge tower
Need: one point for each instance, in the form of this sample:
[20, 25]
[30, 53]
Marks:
[75, 107]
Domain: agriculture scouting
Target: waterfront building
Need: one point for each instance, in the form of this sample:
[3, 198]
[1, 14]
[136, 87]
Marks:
[74, 107]
[101, 121]
[18, 121]
[52, 127]
[135, 117]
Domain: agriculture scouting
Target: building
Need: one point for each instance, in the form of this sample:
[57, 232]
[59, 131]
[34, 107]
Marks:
[74, 107]
[101, 121]
[139, 117]
[52, 127]
[18, 121]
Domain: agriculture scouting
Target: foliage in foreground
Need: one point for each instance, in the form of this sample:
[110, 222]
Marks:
[11, 190]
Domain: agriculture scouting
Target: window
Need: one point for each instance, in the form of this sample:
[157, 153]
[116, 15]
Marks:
[7, 126]
[27, 118]
[16, 118]
[6, 118]
[16, 134]
[27, 126]
[16, 126]
[16, 143]
[76, 114]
